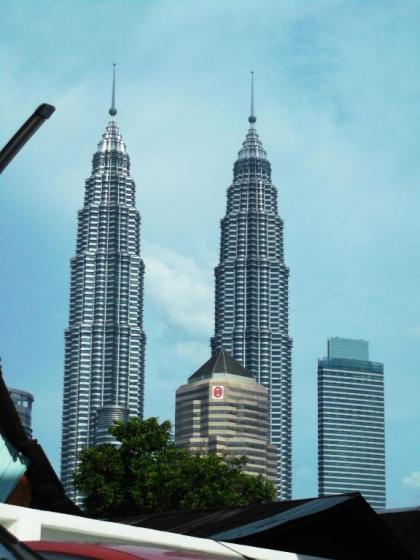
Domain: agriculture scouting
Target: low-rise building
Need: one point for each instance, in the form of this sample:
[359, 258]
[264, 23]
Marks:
[222, 409]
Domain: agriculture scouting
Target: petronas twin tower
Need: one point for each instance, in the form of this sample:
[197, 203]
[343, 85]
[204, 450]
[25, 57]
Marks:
[105, 341]
[251, 300]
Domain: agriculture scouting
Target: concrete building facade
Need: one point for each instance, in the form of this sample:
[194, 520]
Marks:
[222, 409]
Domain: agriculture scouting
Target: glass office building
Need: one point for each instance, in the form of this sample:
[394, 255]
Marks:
[351, 426]
[23, 403]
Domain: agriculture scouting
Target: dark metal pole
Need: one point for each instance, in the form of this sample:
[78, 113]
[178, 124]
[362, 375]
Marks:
[17, 142]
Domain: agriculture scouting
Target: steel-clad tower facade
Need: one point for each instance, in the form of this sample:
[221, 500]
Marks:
[104, 342]
[251, 292]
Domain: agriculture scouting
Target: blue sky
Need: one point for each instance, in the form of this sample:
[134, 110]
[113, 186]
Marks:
[338, 107]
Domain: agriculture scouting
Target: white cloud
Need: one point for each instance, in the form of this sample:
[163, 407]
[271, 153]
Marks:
[194, 352]
[181, 288]
[414, 330]
[304, 471]
[412, 480]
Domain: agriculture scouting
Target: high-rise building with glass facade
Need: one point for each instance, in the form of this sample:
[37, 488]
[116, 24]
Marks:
[104, 342]
[251, 292]
[351, 425]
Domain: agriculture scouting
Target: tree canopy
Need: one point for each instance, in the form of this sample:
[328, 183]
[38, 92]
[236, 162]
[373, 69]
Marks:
[146, 473]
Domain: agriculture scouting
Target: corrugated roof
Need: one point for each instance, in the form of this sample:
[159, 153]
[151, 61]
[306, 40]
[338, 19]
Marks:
[342, 526]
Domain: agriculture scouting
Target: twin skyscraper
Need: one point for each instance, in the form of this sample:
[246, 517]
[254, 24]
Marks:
[105, 340]
[252, 292]
[245, 387]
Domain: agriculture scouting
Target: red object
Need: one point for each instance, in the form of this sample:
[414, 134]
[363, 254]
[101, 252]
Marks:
[105, 551]
[218, 392]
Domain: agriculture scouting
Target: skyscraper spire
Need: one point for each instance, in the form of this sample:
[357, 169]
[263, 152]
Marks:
[113, 110]
[252, 118]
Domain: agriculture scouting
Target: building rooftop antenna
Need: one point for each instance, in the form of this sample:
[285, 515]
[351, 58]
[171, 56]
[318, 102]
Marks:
[113, 110]
[252, 118]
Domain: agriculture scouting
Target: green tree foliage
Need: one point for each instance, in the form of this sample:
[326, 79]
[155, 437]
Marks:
[147, 473]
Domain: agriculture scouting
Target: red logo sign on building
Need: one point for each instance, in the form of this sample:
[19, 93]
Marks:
[218, 392]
